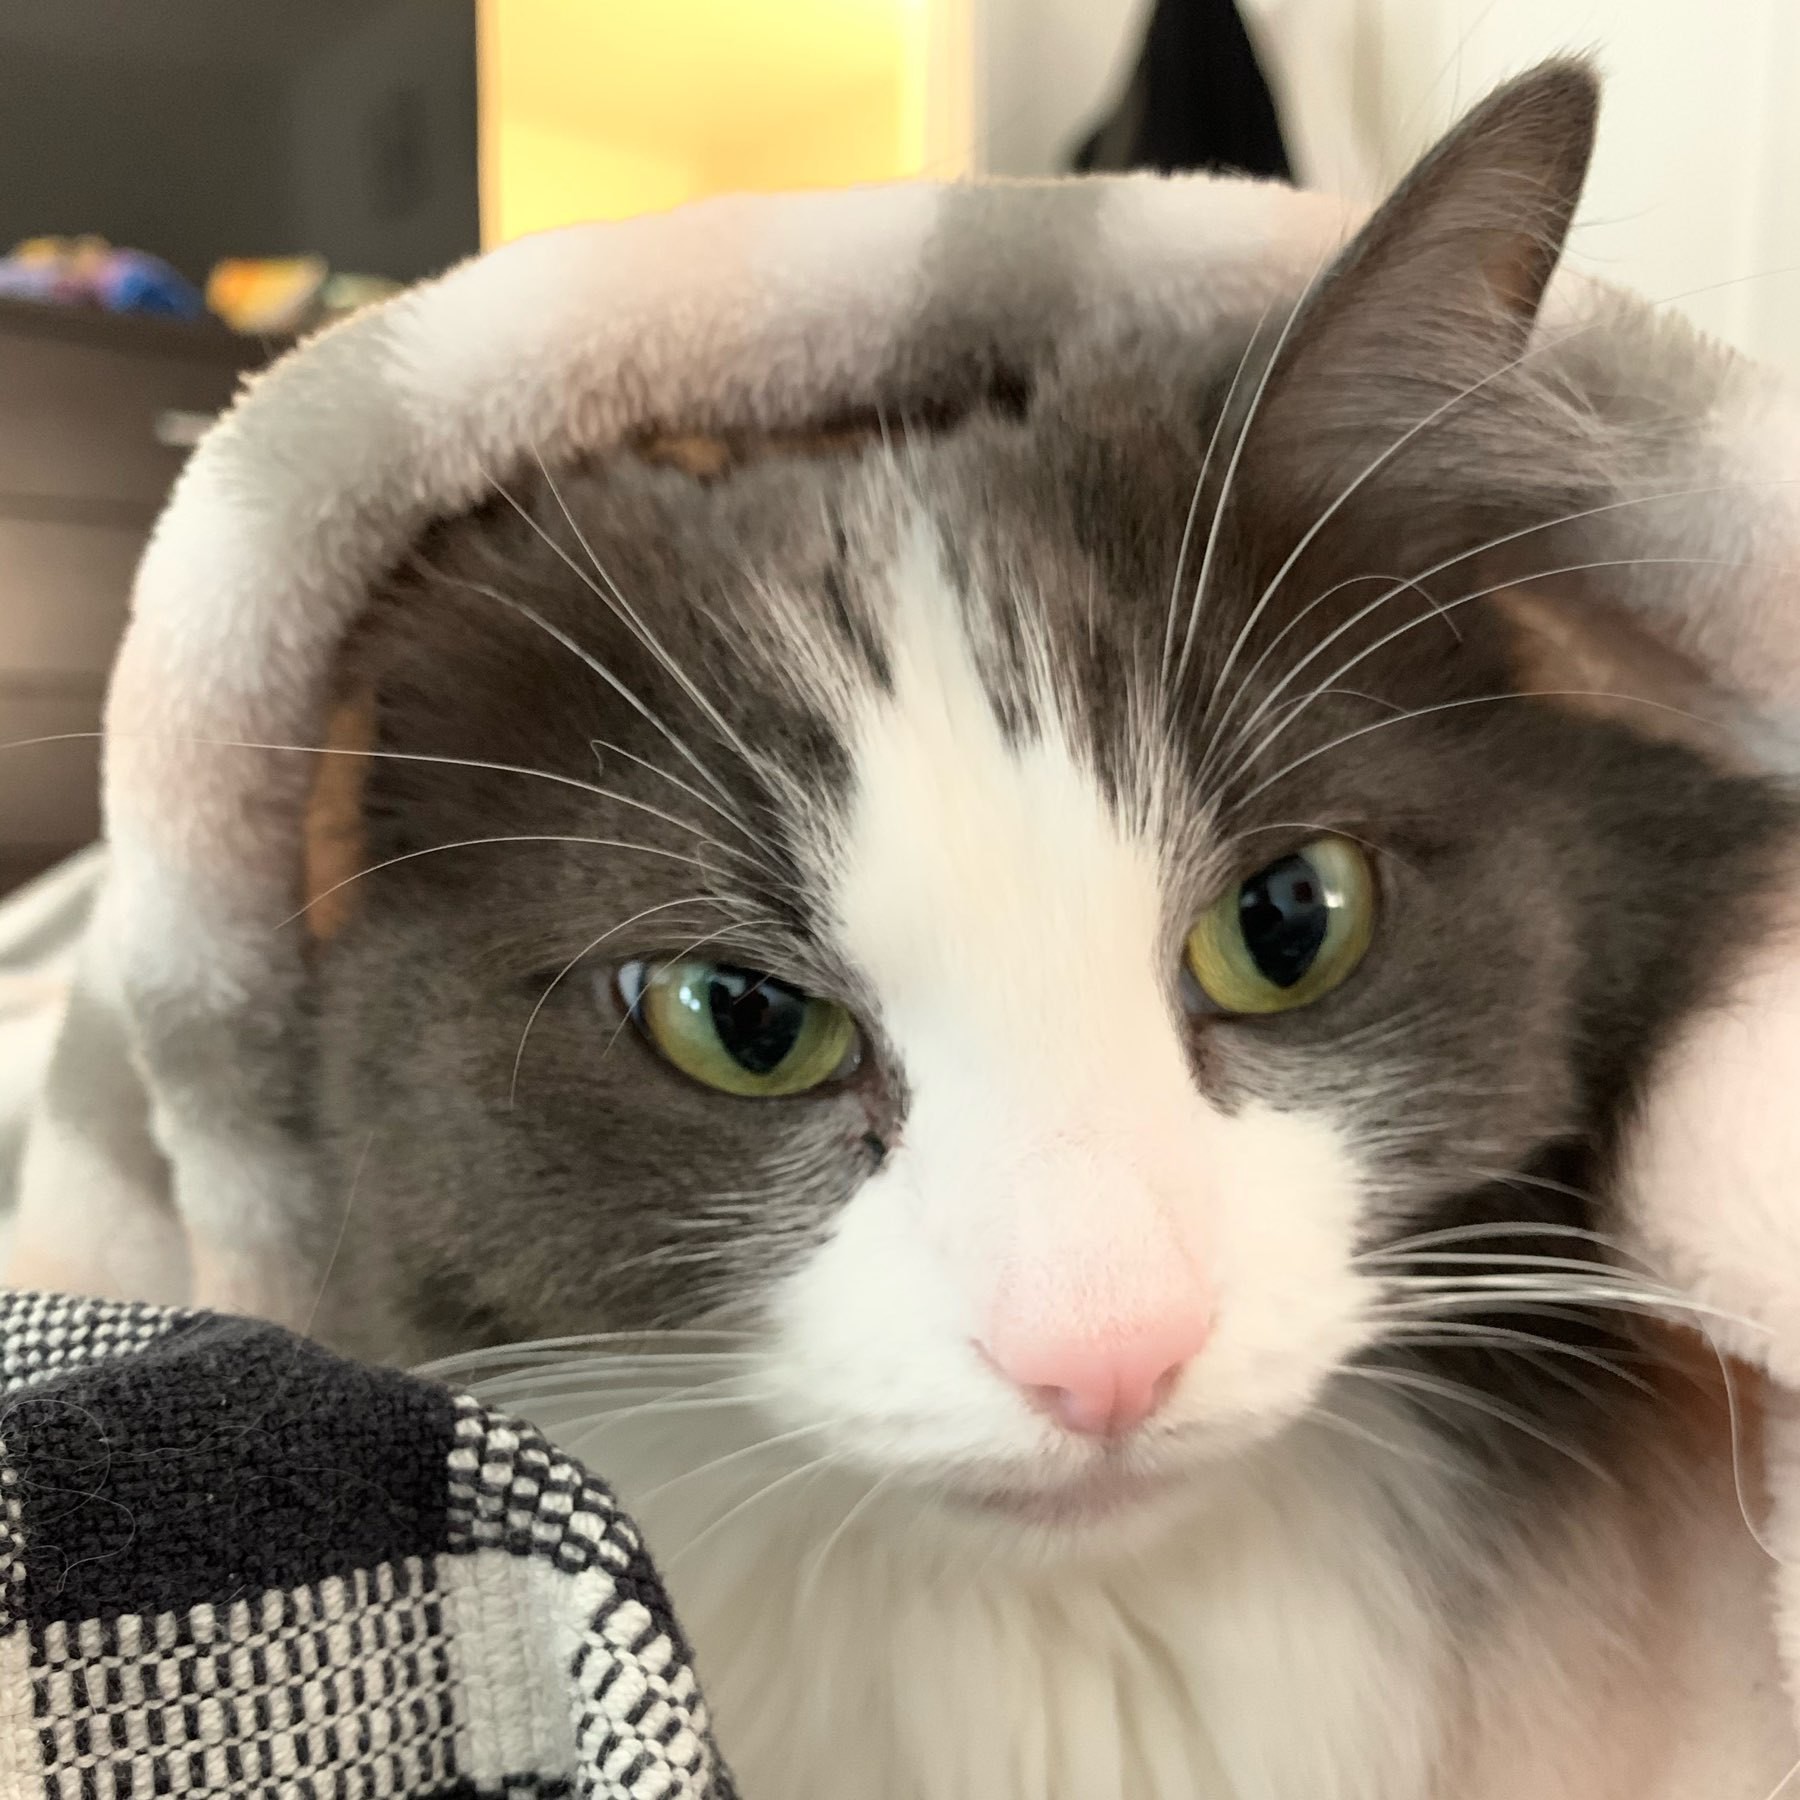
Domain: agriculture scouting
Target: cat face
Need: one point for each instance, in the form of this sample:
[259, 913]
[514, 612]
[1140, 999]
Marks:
[1033, 919]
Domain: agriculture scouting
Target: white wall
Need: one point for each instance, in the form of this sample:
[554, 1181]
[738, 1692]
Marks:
[1045, 71]
[1696, 185]
[1699, 145]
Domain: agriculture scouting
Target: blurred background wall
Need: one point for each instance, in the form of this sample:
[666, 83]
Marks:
[1693, 189]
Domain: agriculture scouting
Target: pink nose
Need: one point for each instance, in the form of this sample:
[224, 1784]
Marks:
[1102, 1389]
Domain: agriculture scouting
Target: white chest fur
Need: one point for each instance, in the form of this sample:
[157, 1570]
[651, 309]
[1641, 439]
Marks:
[1275, 1646]
[1282, 1642]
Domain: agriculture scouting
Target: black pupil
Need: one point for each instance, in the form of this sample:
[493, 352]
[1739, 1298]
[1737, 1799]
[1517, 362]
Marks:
[1284, 914]
[758, 1020]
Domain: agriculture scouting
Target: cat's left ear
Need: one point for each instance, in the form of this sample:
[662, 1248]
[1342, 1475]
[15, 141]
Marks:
[1434, 300]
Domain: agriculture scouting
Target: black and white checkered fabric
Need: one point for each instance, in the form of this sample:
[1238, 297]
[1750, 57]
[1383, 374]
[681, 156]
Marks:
[232, 1564]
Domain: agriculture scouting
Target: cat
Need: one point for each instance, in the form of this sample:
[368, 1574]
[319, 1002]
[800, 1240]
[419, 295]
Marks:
[1035, 1004]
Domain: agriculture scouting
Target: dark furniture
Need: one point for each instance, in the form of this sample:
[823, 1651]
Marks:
[96, 415]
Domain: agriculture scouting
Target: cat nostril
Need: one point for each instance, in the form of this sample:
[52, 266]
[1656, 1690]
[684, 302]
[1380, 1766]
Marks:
[1099, 1392]
[1102, 1409]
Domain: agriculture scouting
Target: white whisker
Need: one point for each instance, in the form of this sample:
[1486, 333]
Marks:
[1329, 686]
[1494, 543]
[1372, 468]
[590, 661]
[761, 1447]
[593, 944]
[1512, 1290]
[1187, 529]
[527, 837]
[814, 1467]
[1495, 1260]
[608, 1343]
[1500, 1227]
[815, 1568]
[1425, 712]
[731, 817]
[1231, 469]
[1451, 1334]
[623, 609]
[1410, 1380]
[1362, 1434]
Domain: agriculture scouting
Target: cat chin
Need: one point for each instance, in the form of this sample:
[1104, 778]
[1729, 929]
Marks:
[1124, 1502]
[1097, 1520]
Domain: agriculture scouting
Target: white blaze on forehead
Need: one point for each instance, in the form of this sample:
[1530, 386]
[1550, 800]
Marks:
[986, 890]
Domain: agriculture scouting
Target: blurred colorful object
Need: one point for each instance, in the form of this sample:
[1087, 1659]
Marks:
[273, 296]
[286, 294]
[88, 271]
[266, 293]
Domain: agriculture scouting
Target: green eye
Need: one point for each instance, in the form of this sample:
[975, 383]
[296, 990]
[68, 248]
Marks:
[739, 1031]
[1289, 934]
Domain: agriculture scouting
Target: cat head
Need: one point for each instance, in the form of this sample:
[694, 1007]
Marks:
[1065, 923]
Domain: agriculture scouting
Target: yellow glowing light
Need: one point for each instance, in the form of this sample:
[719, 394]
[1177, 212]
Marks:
[599, 109]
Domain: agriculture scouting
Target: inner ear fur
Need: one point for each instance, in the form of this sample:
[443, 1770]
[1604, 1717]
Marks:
[1466, 245]
[334, 835]
[1407, 368]
[1585, 653]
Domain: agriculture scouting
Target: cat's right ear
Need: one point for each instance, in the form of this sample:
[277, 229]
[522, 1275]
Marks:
[1437, 294]
[1469, 240]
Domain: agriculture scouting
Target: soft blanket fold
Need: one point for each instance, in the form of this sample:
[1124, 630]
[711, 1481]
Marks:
[157, 1165]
